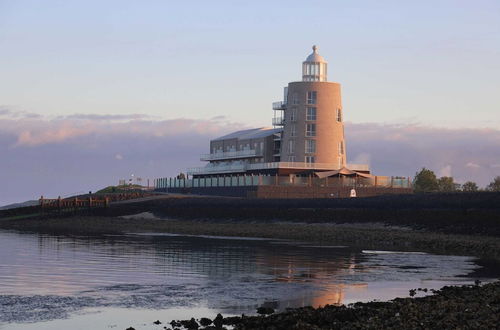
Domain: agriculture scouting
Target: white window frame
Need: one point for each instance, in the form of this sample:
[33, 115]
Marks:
[293, 114]
[312, 97]
[310, 130]
[291, 146]
[310, 159]
[310, 146]
[311, 113]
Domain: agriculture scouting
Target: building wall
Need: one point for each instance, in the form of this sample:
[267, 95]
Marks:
[263, 145]
[329, 131]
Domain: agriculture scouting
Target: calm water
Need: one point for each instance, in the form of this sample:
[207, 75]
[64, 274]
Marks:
[52, 282]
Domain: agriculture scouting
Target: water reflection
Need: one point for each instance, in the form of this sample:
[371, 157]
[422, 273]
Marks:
[235, 275]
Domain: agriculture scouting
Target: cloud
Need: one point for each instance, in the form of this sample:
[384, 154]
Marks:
[472, 165]
[445, 171]
[59, 156]
[134, 116]
[31, 132]
[405, 149]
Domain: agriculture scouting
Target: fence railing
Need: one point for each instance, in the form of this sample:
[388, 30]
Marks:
[269, 180]
[92, 201]
[209, 169]
[231, 154]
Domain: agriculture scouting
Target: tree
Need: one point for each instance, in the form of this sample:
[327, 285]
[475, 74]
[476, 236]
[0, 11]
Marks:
[494, 185]
[181, 176]
[446, 184]
[425, 181]
[470, 186]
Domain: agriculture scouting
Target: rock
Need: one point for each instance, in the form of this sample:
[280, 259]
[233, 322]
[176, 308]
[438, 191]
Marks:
[218, 321]
[204, 321]
[190, 324]
[157, 322]
[265, 310]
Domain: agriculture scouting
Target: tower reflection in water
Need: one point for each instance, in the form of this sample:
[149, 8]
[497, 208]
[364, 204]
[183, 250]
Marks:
[161, 271]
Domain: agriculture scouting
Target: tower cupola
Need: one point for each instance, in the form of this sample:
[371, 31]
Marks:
[314, 68]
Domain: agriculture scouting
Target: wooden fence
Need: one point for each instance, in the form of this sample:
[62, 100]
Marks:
[91, 201]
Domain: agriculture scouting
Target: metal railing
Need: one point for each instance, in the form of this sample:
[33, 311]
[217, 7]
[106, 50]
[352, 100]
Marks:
[211, 169]
[232, 154]
[278, 121]
[280, 105]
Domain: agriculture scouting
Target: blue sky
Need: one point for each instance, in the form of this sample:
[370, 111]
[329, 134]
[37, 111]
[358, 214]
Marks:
[430, 62]
[93, 91]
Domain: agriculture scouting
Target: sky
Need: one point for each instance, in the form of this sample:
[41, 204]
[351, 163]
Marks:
[93, 91]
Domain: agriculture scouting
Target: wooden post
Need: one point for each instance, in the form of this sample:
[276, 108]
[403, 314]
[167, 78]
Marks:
[106, 200]
[41, 201]
[59, 203]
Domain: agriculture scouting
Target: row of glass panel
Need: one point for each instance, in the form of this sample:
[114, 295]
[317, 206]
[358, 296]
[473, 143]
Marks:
[263, 180]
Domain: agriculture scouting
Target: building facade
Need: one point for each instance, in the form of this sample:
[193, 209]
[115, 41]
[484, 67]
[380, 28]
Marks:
[308, 132]
[313, 119]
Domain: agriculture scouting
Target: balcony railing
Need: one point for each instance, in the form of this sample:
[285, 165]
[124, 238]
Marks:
[278, 121]
[217, 169]
[279, 105]
[231, 155]
[212, 169]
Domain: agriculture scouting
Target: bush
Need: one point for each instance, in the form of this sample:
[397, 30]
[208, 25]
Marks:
[425, 181]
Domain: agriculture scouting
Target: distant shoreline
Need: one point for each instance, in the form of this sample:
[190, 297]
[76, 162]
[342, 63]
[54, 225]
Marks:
[368, 236]
[459, 223]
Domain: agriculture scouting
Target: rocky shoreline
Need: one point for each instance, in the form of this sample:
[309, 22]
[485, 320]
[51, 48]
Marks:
[464, 307]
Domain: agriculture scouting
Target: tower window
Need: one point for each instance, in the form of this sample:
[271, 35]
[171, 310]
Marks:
[291, 159]
[339, 115]
[312, 97]
[291, 146]
[310, 159]
[293, 114]
[310, 129]
[293, 130]
[295, 98]
[311, 114]
[310, 146]
[341, 147]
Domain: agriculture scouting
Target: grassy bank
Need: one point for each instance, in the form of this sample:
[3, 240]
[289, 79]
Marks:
[358, 236]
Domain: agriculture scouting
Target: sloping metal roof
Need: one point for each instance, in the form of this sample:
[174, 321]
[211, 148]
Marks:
[253, 133]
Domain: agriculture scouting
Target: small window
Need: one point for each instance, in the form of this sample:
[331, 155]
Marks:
[312, 97]
[293, 130]
[311, 113]
[310, 146]
[341, 147]
[293, 114]
[310, 130]
[339, 115]
[291, 158]
[295, 98]
[310, 159]
[291, 146]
